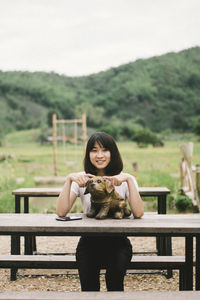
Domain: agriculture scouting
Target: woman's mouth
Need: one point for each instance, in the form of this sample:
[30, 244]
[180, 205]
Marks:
[100, 162]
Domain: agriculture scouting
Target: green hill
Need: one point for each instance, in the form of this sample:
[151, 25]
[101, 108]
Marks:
[160, 93]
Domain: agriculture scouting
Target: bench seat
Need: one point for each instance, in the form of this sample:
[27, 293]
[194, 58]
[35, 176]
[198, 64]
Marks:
[158, 295]
[69, 262]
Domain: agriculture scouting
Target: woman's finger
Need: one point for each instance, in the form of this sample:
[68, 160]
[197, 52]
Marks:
[89, 175]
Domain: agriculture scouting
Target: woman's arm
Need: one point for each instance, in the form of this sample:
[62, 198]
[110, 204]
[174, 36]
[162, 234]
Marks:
[67, 197]
[135, 201]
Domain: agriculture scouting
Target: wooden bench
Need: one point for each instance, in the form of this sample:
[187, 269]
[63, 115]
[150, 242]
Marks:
[135, 295]
[69, 262]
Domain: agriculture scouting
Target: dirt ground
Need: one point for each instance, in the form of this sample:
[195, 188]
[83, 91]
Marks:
[68, 280]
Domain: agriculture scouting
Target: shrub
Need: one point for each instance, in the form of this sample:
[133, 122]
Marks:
[43, 135]
[183, 203]
[170, 202]
[127, 130]
[145, 137]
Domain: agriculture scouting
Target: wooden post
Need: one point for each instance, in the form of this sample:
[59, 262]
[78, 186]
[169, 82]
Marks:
[183, 174]
[84, 129]
[54, 144]
[189, 187]
[187, 151]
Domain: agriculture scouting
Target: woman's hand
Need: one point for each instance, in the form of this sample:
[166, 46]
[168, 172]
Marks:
[80, 179]
[117, 179]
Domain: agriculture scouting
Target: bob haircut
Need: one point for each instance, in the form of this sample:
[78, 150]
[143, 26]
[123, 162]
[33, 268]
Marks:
[106, 141]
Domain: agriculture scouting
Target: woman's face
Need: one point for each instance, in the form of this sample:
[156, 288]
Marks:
[100, 157]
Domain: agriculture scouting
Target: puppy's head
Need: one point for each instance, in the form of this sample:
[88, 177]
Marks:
[99, 186]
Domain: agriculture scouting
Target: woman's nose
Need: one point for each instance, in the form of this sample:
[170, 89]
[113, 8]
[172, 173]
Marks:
[100, 153]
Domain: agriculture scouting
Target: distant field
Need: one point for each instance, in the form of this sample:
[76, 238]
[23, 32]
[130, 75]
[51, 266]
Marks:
[157, 166]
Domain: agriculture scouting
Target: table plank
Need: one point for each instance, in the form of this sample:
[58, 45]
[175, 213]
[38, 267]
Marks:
[149, 224]
[144, 295]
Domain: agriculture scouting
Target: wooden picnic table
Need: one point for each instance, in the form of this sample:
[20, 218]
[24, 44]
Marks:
[184, 225]
[159, 192]
[163, 244]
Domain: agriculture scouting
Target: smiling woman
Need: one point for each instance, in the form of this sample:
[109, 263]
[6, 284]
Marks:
[99, 157]
[102, 158]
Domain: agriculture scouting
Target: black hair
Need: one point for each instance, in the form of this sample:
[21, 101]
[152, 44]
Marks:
[115, 165]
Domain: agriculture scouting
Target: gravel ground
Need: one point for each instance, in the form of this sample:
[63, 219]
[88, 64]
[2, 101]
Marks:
[68, 280]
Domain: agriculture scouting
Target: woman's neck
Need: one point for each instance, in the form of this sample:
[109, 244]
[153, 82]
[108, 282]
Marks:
[101, 173]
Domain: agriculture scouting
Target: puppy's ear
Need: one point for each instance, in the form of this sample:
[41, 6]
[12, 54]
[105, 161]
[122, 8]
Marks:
[109, 187]
[86, 191]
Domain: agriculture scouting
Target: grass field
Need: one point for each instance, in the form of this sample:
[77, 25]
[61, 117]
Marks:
[157, 166]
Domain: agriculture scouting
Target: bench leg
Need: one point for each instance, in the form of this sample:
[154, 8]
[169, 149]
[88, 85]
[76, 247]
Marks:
[15, 249]
[188, 274]
[30, 244]
[34, 244]
[169, 252]
[164, 246]
[197, 274]
[181, 279]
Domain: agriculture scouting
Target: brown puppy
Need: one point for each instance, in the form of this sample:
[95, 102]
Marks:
[105, 200]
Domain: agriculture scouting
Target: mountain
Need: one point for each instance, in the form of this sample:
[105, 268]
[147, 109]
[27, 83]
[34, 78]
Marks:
[162, 92]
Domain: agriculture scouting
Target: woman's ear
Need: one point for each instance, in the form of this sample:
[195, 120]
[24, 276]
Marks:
[109, 186]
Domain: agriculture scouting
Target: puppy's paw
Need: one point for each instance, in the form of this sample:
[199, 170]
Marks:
[127, 212]
[90, 215]
[100, 217]
[118, 215]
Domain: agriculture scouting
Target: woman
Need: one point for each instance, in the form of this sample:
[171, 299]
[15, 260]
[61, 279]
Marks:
[102, 158]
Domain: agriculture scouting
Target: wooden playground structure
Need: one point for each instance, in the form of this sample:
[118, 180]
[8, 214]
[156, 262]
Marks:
[74, 139]
[190, 175]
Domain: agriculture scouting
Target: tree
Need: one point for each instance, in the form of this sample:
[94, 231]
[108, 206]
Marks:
[197, 127]
[95, 114]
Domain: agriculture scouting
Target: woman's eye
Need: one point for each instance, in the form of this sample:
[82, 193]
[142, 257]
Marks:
[98, 181]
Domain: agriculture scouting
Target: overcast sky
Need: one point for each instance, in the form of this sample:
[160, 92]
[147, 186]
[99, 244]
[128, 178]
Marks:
[80, 37]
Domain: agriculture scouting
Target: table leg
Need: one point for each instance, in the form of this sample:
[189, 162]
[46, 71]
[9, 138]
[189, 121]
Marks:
[188, 276]
[197, 275]
[17, 203]
[162, 204]
[164, 244]
[29, 241]
[15, 249]
[26, 204]
[161, 241]
[15, 240]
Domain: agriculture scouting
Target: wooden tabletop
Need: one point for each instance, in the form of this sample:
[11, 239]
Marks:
[149, 224]
[55, 191]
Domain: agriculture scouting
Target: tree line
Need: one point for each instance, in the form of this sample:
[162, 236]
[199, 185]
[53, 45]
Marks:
[160, 93]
